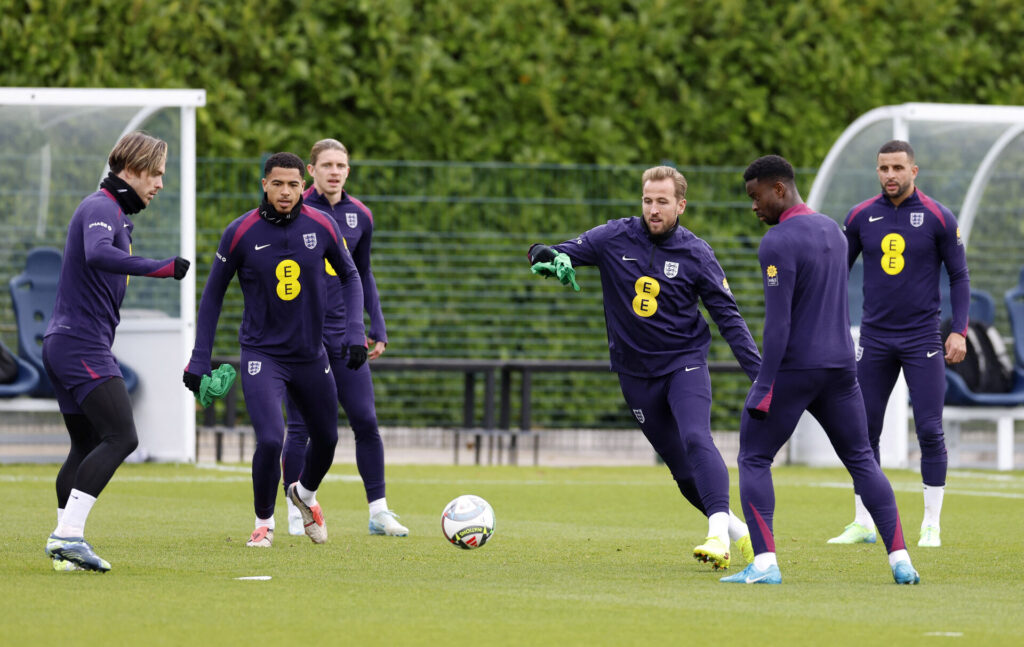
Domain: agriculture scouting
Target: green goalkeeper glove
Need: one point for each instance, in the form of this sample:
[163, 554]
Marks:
[560, 268]
[547, 262]
[216, 384]
[564, 270]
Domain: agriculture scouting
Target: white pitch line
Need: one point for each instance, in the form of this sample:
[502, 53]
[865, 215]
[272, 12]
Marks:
[260, 578]
[914, 487]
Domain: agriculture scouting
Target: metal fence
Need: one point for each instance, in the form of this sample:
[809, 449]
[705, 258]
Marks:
[449, 259]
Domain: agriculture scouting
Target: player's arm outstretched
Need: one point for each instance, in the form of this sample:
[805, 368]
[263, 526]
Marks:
[102, 254]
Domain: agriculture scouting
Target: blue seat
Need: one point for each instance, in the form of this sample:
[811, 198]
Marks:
[983, 310]
[33, 295]
[1015, 308]
[26, 380]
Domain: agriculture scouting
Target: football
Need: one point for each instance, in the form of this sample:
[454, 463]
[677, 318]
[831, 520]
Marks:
[468, 521]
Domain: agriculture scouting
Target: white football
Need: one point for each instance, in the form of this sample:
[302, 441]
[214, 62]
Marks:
[468, 521]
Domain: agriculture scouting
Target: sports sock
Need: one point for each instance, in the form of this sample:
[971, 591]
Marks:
[863, 517]
[60, 515]
[269, 523]
[932, 505]
[379, 505]
[308, 496]
[763, 561]
[737, 529]
[898, 556]
[76, 511]
[718, 526]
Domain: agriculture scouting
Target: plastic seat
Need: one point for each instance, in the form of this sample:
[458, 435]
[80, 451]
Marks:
[983, 309]
[1015, 308]
[26, 381]
[33, 295]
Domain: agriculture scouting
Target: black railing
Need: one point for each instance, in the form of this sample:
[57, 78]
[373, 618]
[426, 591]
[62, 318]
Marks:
[494, 430]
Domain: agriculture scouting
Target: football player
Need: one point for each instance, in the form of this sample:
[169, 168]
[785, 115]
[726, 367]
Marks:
[654, 274]
[807, 364]
[905, 237]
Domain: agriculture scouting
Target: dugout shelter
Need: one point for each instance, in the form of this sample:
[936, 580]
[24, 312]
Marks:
[54, 153]
[971, 158]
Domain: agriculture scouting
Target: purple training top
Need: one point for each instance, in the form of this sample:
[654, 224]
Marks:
[807, 315]
[356, 223]
[651, 294]
[280, 270]
[97, 256]
[904, 248]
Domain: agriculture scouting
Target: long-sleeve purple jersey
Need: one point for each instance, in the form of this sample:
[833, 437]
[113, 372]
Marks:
[356, 223]
[903, 250]
[97, 256]
[651, 295]
[807, 316]
[280, 269]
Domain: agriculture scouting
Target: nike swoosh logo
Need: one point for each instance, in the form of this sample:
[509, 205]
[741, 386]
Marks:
[691, 368]
[259, 247]
[751, 580]
[870, 219]
[125, 224]
[327, 370]
[933, 353]
[626, 258]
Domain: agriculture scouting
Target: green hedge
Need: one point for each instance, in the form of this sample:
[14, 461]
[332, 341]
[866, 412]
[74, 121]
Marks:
[605, 81]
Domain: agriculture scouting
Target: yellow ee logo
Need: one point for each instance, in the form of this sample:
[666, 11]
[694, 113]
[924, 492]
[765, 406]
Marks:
[288, 286]
[645, 303]
[327, 264]
[893, 246]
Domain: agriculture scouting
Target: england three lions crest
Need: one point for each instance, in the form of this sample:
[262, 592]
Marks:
[671, 269]
[639, 415]
[254, 367]
[351, 219]
[310, 240]
[917, 218]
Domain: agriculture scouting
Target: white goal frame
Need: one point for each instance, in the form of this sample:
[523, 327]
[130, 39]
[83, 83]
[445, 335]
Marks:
[165, 417]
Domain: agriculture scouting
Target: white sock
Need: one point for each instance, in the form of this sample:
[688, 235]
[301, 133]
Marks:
[718, 526]
[737, 529]
[60, 515]
[763, 561]
[380, 505]
[898, 556]
[269, 523]
[863, 517]
[308, 496]
[76, 511]
[293, 511]
[932, 505]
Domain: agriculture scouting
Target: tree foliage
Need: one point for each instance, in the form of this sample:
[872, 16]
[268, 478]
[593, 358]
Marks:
[602, 81]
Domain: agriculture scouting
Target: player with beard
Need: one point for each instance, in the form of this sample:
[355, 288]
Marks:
[654, 274]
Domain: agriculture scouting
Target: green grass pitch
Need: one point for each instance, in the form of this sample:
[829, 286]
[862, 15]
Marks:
[587, 556]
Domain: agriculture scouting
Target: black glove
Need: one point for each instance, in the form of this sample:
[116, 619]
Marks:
[191, 380]
[180, 268]
[539, 253]
[356, 356]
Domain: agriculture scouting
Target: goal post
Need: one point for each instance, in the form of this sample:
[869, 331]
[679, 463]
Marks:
[56, 143]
